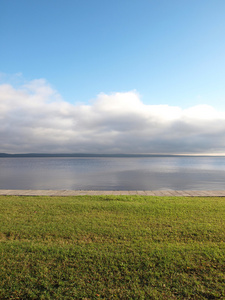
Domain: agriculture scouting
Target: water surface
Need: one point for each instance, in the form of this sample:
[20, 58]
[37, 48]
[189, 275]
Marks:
[113, 173]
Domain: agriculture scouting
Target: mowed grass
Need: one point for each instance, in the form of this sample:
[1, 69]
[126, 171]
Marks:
[112, 247]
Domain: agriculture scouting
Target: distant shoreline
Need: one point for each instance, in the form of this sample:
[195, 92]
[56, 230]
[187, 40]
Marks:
[7, 155]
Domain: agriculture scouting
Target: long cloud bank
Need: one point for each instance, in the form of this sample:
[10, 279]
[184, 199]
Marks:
[34, 118]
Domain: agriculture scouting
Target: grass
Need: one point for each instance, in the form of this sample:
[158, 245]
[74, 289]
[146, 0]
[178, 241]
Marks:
[112, 247]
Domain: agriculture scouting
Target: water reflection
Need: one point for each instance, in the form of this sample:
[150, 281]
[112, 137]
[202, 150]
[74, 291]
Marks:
[152, 173]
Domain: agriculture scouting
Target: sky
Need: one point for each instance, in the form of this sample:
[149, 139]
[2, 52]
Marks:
[122, 76]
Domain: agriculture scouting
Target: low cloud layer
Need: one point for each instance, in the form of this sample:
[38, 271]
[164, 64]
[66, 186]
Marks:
[34, 118]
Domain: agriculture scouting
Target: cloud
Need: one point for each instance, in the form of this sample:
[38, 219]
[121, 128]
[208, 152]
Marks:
[34, 118]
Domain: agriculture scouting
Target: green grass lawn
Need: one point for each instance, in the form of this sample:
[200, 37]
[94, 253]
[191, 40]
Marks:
[112, 247]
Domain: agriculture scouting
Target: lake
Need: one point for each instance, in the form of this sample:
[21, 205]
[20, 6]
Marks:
[113, 173]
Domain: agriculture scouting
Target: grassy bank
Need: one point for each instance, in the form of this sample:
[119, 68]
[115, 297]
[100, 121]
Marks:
[112, 247]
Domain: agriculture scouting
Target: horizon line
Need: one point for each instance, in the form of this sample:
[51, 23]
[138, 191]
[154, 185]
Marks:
[81, 154]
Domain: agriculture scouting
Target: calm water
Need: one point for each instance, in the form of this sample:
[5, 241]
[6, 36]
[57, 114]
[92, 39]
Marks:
[152, 173]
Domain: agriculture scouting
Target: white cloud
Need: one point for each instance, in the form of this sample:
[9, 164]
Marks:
[34, 118]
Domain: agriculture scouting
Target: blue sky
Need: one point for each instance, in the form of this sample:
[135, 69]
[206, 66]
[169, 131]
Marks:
[167, 52]
[171, 52]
